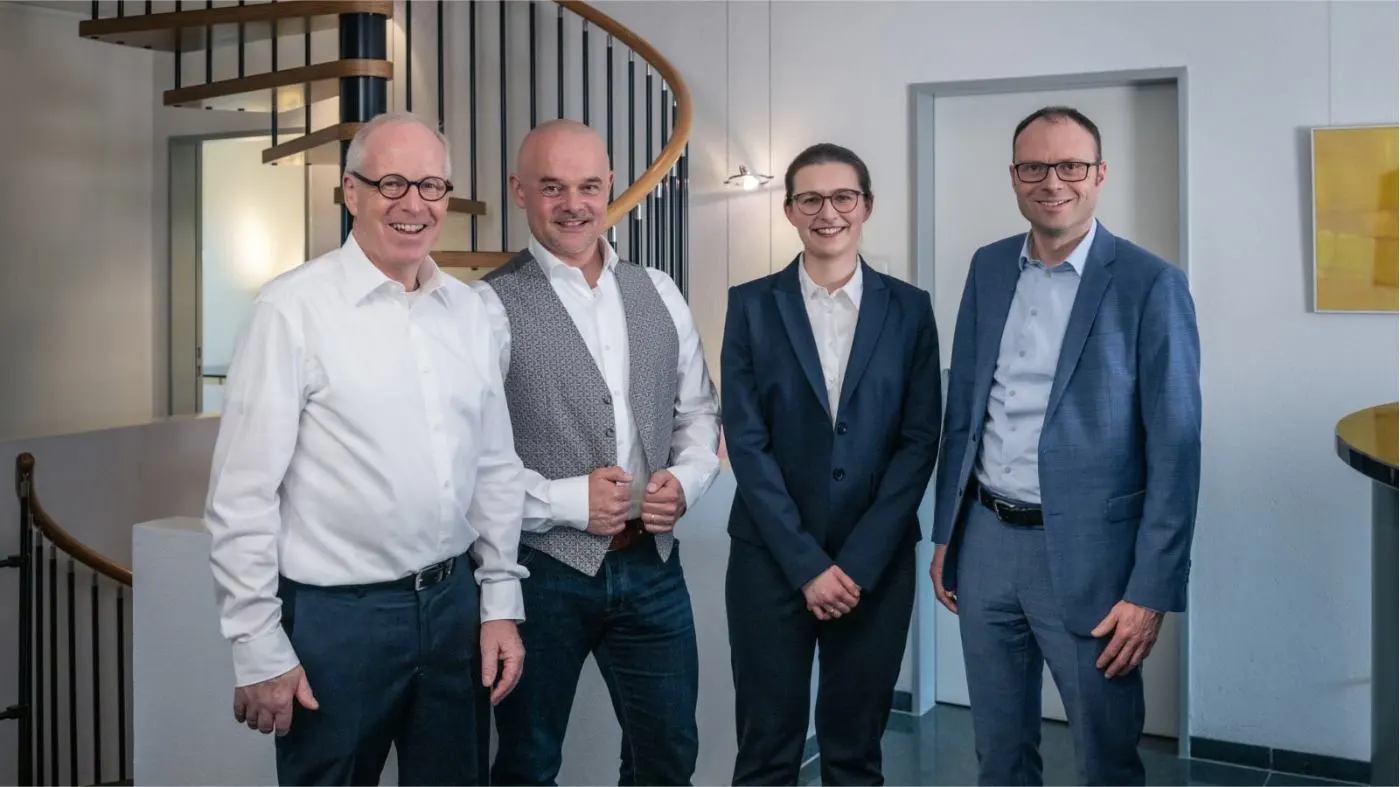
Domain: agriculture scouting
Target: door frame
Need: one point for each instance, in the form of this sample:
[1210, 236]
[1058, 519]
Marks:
[185, 315]
[922, 97]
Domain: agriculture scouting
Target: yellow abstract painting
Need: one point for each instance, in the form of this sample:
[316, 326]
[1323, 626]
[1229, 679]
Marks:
[1356, 219]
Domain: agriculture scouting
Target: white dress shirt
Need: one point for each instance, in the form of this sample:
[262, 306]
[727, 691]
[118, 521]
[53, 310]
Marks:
[833, 316]
[598, 315]
[364, 436]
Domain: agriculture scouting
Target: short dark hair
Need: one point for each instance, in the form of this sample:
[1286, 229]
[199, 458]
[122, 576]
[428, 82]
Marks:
[827, 153]
[1061, 113]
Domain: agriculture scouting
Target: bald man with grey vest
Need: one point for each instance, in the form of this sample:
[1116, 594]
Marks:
[617, 422]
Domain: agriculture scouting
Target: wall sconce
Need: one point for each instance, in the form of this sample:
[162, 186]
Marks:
[748, 181]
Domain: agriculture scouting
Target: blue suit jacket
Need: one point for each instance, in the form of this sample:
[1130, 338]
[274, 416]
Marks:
[1120, 451]
[812, 492]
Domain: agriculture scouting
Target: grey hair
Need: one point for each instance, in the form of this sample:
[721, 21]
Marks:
[355, 156]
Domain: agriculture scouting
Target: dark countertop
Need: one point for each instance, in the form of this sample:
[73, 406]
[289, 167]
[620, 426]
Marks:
[1366, 440]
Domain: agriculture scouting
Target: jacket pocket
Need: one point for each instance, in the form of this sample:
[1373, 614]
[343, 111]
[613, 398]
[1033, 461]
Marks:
[1126, 506]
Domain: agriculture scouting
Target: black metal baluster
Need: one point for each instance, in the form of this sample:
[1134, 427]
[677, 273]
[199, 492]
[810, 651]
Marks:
[608, 92]
[72, 676]
[121, 685]
[53, 648]
[37, 702]
[95, 9]
[442, 65]
[682, 208]
[634, 216]
[209, 49]
[505, 166]
[242, 36]
[663, 207]
[408, 56]
[22, 710]
[179, 43]
[559, 58]
[276, 106]
[149, 5]
[585, 72]
[96, 686]
[306, 86]
[121, 9]
[471, 102]
[652, 234]
[534, 76]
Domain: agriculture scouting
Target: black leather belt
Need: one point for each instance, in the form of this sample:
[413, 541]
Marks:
[426, 578]
[1009, 511]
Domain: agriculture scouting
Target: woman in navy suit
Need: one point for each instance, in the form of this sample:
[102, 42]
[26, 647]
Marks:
[831, 410]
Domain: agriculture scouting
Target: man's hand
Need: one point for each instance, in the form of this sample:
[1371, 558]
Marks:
[1134, 632]
[935, 572]
[502, 657]
[832, 594]
[663, 504]
[608, 500]
[267, 706]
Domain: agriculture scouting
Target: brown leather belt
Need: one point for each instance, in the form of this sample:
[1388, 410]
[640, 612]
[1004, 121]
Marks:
[631, 533]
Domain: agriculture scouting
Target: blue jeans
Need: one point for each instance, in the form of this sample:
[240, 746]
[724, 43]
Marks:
[388, 665]
[635, 617]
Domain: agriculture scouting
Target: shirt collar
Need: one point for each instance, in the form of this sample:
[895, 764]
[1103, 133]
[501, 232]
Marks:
[363, 279]
[852, 288]
[553, 266]
[1076, 258]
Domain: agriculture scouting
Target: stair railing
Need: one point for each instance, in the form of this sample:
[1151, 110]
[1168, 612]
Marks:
[70, 675]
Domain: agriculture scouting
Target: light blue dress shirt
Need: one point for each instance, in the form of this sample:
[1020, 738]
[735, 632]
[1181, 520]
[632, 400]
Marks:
[1009, 462]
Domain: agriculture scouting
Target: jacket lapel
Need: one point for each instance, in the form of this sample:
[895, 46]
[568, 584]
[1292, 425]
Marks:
[1097, 276]
[788, 297]
[997, 288]
[874, 303]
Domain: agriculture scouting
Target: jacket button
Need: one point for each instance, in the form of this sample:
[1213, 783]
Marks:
[607, 398]
[841, 427]
[838, 474]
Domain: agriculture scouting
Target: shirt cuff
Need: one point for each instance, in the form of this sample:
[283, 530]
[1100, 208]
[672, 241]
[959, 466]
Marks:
[502, 600]
[266, 657]
[568, 501]
[689, 480]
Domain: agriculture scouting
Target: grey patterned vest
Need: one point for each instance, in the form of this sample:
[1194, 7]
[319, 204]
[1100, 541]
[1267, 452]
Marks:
[560, 406]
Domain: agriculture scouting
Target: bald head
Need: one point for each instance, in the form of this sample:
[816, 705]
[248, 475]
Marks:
[563, 181]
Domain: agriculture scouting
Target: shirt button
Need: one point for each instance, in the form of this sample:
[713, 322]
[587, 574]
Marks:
[838, 474]
[1034, 312]
[1021, 354]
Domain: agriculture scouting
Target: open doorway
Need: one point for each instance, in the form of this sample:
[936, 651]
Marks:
[235, 224]
[963, 200]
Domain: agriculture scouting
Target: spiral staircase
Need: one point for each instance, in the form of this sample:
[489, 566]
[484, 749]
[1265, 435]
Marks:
[72, 712]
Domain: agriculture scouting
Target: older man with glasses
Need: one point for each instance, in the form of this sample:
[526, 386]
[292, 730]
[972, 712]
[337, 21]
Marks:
[364, 484]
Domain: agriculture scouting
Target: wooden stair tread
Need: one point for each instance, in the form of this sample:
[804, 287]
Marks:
[254, 93]
[318, 147]
[472, 259]
[454, 204]
[160, 30]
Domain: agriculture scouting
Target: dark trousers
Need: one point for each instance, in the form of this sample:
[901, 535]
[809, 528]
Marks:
[388, 665]
[1011, 627]
[772, 637]
[635, 617]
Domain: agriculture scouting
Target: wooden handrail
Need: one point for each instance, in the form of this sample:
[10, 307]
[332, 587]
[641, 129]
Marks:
[24, 472]
[671, 153]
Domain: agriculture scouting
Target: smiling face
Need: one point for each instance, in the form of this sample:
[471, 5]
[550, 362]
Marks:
[397, 233]
[563, 182]
[828, 209]
[1055, 151]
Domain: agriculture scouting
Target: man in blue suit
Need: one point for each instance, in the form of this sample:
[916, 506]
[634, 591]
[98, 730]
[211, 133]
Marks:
[831, 411]
[1066, 489]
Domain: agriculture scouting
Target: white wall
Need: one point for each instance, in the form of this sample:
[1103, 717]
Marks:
[1281, 593]
[76, 303]
[253, 229]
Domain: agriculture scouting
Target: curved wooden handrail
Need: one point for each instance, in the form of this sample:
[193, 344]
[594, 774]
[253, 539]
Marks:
[652, 176]
[24, 471]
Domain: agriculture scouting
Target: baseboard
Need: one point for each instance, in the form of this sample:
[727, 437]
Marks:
[903, 701]
[1318, 766]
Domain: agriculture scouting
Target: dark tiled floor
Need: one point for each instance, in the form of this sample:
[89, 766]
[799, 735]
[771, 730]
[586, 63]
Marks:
[937, 749]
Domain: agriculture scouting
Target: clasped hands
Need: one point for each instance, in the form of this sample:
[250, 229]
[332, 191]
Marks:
[610, 498]
[831, 594]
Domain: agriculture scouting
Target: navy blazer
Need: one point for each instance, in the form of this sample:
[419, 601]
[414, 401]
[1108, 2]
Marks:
[811, 492]
[1120, 450]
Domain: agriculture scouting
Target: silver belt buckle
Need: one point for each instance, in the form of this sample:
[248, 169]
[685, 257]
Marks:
[1000, 507]
[436, 573]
